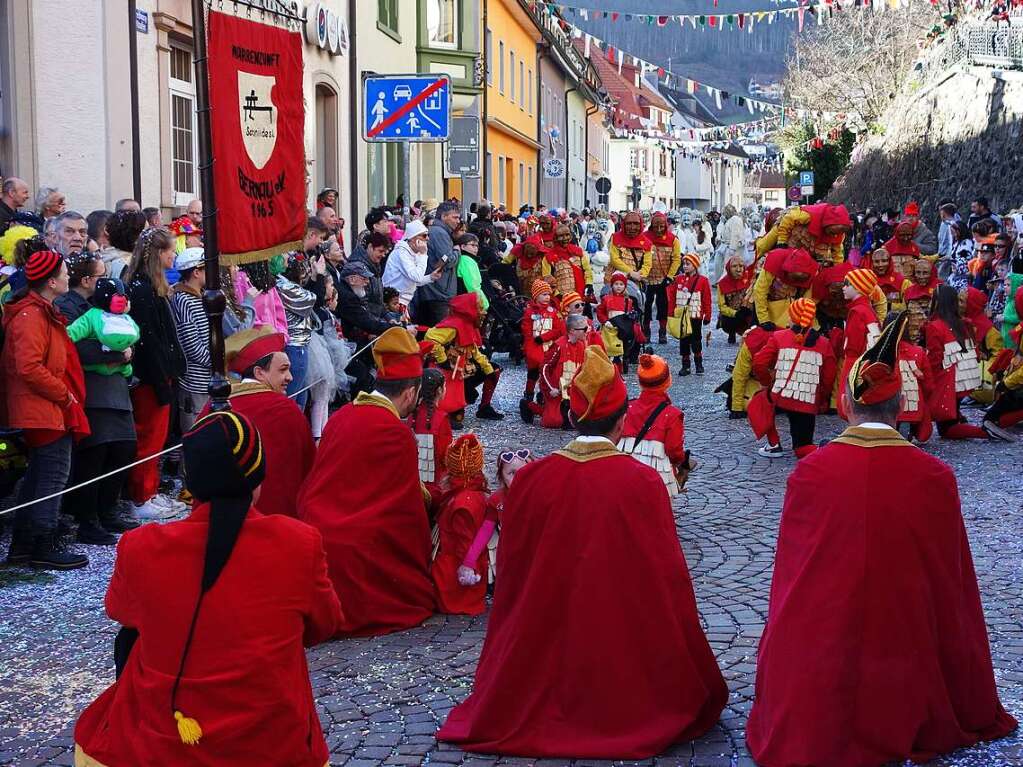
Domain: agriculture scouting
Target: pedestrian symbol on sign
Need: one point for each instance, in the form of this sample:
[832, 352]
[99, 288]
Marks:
[379, 110]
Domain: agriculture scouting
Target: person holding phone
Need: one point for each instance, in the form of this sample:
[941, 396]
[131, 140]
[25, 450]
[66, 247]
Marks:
[433, 300]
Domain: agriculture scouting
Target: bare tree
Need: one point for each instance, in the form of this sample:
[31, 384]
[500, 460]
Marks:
[858, 59]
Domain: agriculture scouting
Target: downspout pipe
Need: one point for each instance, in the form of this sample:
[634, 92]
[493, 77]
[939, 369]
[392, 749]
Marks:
[568, 147]
[354, 89]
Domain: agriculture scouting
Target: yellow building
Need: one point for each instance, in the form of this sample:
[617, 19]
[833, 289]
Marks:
[511, 175]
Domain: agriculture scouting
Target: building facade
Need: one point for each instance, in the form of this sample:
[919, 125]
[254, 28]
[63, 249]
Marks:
[71, 126]
[511, 145]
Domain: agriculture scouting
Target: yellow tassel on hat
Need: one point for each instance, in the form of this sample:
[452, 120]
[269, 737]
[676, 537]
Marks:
[188, 729]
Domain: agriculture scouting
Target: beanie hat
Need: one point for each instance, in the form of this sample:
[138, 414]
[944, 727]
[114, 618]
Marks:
[571, 297]
[802, 312]
[911, 209]
[464, 458]
[539, 287]
[597, 391]
[42, 265]
[619, 277]
[864, 280]
[224, 464]
[692, 259]
[107, 289]
[654, 372]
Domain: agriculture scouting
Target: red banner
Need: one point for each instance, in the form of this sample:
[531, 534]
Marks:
[258, 120]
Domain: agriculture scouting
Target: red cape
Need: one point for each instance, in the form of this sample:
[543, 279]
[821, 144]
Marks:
[365, 498]
[462, 512]
[594, 647]
[246, 681]
[464, 319]
[875, 648]
[287, 440]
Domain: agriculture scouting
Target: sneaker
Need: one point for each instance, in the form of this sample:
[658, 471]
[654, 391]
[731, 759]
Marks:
[47, 554]
[771, 451]
[166, 501]
[487, 413]
[150, 510]
[91, 533]
[997, 432]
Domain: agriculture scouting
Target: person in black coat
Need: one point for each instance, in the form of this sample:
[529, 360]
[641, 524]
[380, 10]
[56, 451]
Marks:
[358, 322]
[158, 362]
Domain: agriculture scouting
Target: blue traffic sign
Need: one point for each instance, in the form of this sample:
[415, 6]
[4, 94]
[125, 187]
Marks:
[806, 178]
[406, 107]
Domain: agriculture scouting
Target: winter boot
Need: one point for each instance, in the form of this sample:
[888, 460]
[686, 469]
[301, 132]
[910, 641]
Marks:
[487, 413]
[699, 364]
[49, 554]
[20, 552]
[92, 533]
[525, 411]
[662, 335]
[686, 365]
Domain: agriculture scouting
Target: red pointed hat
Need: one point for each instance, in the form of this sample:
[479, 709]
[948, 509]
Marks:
[397, 356]
[247, 347]
[597, 391]
[875, 377]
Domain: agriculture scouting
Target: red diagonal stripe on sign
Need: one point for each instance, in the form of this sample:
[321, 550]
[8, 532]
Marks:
[406, 109]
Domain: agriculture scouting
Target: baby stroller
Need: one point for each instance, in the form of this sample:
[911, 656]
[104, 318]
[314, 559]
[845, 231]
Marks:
[502, 330]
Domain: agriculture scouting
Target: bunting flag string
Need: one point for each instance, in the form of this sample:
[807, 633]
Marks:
[734, 21]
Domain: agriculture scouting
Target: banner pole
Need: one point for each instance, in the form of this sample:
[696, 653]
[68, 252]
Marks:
[213, 299]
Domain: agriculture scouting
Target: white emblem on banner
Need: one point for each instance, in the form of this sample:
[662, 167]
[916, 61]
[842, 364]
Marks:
[258, 116]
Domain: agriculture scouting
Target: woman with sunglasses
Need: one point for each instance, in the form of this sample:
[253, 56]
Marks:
[508, 464]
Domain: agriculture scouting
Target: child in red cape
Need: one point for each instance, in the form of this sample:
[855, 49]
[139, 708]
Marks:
[462, 512]
[690, 292]
[508, 463]
[618, 334]
[541, 326]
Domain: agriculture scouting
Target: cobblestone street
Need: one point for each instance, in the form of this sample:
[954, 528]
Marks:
[382, 699]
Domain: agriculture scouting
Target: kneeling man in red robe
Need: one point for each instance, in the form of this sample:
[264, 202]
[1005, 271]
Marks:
[875, 648]
[217, 610]
[365, 497]
[594, 647]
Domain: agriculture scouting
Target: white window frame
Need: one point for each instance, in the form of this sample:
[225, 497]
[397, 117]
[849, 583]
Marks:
[186, 90]
[522, 84]
[456, 10]
[501, 180]
[522, 178]
[529, 185]
[531, 86]
[511, 76]
[500, 67]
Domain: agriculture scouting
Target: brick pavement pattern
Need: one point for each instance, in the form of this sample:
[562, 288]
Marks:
[382, 699]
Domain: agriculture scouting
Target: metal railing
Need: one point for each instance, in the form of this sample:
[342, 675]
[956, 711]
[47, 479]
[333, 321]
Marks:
[990, 44]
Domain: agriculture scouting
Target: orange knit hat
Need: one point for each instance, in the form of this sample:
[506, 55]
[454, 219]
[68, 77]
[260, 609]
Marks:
[464, 458]
[571, 297]
[802, 312]
[693, 259]
[864, 280]
[654, 372]
[540, 287]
